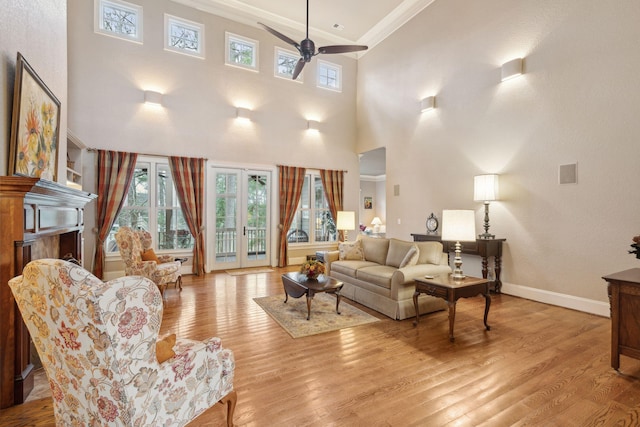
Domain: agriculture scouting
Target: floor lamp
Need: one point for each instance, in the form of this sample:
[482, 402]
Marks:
[458, 226]
[346, 221]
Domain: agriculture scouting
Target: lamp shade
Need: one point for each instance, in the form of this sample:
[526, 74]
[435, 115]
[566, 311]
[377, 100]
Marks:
[376, 221]
[458, 226]
[485, 188]
[346, 220]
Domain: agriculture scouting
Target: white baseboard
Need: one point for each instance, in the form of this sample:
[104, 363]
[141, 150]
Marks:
[567, 301]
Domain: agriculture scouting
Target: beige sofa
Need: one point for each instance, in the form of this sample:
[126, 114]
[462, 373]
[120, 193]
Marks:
[379, 273]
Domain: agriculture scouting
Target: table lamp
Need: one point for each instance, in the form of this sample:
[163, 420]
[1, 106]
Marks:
[485, 189]
[376, 224]
[458, 226]
[346, 221]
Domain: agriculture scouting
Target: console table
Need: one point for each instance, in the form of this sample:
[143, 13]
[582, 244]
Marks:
[484, 248]
[623, 289]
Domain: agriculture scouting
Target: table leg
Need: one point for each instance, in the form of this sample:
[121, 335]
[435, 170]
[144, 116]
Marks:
[452, 319]
[415, 305]
[498, 268]
[487, 304]
[286, 296]
[338, 302]
[309, 298]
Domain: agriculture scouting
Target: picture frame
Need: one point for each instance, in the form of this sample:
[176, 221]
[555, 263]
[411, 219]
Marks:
[35, 126]
[368, 202]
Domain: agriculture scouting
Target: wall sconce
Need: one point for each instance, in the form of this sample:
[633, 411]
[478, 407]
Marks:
[153, 98]
[428, 103]
[485, 189]
[512, 69]
[313, 125]
[243, 113]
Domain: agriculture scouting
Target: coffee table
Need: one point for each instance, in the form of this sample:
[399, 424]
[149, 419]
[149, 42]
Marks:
[443, 286]
[297, 285]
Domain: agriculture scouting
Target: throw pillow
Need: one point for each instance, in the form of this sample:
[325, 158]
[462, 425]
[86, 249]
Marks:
[150, 255]
[164, 348]
[411, 258]
[351, 251]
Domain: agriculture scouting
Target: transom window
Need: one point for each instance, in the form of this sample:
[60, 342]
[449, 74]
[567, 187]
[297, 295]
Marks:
[285, 63]
[313, 222]
[329, 76]
[183, 36]
[152, 204]
[241, 52]
[118, 18]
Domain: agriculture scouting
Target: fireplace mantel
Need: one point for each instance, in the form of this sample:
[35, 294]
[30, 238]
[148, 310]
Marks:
[32, 211]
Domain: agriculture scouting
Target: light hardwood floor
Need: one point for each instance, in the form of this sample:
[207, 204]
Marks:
[539, 365]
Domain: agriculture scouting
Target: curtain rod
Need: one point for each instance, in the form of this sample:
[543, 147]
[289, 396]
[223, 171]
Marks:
[91, 150]
[345, 171]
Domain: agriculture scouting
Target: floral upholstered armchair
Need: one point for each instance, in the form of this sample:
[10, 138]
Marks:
[97, 342]
[162, 270]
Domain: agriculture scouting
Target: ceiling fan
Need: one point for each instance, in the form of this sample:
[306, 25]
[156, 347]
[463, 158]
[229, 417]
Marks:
[307, 48]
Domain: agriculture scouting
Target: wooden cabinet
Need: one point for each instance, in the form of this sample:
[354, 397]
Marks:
[484, 248]
[38, 219]
[624, 299]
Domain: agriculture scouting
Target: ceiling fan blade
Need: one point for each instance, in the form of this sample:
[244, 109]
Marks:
[280, 35]
[298, 69]
[342, 48]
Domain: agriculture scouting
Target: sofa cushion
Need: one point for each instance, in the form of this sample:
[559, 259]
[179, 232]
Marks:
[351, 251]
[349, 268]
[411, 258]
[375, 250]
[379, 275]
[397, 251]
[430, 252]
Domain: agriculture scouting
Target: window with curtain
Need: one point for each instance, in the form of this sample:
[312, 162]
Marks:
[313, 222]
[152, 204]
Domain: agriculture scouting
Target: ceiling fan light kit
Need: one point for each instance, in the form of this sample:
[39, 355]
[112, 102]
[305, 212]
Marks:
[307, 47]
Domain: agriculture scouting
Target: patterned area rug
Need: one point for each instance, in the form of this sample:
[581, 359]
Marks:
[243, 271]
[292, 316]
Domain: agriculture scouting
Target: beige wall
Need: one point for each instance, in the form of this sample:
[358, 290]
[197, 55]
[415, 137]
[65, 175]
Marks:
[38, 30]
[107, 77]
[577, 102]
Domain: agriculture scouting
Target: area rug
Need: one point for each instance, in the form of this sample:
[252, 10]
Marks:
[243, 271]
[292, 316]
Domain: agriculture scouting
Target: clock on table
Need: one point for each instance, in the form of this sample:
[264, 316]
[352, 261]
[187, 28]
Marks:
[432, 224]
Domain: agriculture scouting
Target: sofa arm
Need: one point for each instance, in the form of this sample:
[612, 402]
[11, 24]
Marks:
[408, 274]
[329, 257]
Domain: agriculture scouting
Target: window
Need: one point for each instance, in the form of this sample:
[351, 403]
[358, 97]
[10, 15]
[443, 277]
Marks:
[329, 76]
[313, 221]
[241, 52]
[182, 36]
[118, 18]
[285, 63]
[152, 204]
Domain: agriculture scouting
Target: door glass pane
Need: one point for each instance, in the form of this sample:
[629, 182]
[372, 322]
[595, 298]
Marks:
[226, 217]
[256, 217]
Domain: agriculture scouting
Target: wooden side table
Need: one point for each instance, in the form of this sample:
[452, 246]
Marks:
[623, 289]
[450, 290]
[484, 248]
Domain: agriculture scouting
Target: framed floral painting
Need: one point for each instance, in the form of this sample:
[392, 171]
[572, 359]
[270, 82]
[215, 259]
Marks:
[35, 126]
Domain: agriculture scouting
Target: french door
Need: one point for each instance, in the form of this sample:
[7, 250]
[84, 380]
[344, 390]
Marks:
[239, 223]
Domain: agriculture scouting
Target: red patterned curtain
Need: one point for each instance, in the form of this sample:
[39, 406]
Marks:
[333, 184]
[290, 181]
[115, 172]
[188, 177]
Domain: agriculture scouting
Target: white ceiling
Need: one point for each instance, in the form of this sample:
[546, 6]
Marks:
[365, 22]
